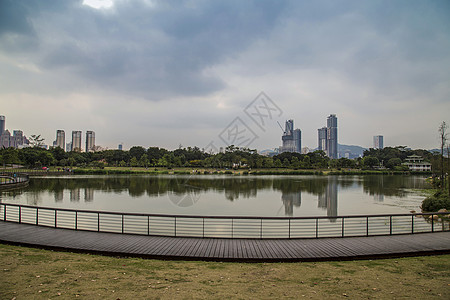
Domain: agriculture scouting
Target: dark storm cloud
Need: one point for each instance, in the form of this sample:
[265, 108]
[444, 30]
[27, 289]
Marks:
[154, 50]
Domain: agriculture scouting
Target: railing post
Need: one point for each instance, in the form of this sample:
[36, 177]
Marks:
[148, 225]
[343, 226]
[122, 223]
[367, 226]
[412, 223]
[98, 221]
[232, 228]
[4, 212]
[390, 225]
[76, 220]
[56, 216]
[432, 223]
[317, 228]
[289, 227]
[20, 214]
[260, 230]
[175, 228]
[203, 227]
[37, 215]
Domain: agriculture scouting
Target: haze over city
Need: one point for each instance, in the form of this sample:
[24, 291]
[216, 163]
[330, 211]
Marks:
[165, 73]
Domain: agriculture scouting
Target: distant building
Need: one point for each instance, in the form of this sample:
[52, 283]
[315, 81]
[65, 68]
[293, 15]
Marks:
[378, 142]
[328, 137]
[69, 146]
[322, 134]
[332, 137]
[76, 141]
[120, 147]
[19, 138]
[416, 163]
[60, 139]
[90, 141]
[2, 124]
[5, 139]
[291, 139]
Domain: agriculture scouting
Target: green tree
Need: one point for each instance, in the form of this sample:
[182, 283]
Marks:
[393, 162]
[36, 140]
[134, 162]
[370, 162]
[10, 156]
[144, 161]
[137, 151]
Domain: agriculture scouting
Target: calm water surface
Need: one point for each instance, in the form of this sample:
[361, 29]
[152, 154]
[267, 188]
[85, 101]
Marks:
[226, 195]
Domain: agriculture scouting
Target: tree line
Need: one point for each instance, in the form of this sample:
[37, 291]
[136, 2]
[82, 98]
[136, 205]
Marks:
[232, 157]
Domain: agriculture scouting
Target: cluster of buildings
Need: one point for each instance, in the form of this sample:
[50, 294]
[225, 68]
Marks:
[328, 138]
[292, 138]
[19, 140]
[75, 144]
[16, 140]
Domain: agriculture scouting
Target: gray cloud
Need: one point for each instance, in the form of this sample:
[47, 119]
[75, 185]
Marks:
[361, 59]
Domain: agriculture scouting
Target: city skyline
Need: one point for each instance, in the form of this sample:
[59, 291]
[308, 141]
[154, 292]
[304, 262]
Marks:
[164, 74]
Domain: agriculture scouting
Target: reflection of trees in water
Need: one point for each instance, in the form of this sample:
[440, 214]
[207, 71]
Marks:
[391, 185]
[233, 187]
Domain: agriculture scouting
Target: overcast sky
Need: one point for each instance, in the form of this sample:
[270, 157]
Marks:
[165, 73]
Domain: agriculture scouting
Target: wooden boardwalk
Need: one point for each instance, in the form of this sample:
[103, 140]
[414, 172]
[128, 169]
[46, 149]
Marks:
[226, 249]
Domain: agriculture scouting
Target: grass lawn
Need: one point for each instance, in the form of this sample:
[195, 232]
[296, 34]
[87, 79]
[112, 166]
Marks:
[29, 273]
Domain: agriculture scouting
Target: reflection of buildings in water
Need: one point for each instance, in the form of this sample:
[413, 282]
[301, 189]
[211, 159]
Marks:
[378, 197]
[88, 194]
[59, 196]
[75, 195]
[329, 199]
[290, 200]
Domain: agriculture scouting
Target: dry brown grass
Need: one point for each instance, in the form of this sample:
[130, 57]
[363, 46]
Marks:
[29, 273]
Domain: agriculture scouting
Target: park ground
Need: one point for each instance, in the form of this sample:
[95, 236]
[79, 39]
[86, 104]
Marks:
[29, 273]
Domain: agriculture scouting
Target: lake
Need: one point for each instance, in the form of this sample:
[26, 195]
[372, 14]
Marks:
[226, 195]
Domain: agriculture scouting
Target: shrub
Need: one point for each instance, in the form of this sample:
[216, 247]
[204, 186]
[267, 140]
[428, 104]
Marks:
[436, 202]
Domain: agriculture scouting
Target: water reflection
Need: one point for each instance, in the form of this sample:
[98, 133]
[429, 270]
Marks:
[329, 199]
[185, 191]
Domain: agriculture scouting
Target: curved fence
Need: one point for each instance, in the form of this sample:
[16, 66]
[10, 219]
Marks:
[225, 226]
[13, 180]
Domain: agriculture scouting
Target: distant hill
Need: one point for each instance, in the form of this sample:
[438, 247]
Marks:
[352, 150]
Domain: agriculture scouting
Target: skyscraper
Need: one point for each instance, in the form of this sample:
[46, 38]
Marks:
[61, 139]
[322, 133]
[328, 138]
[2, 124]
[378, 142]
[18, 138]
[76, 141]
[332, 137]
[90, 141]
[292, 139]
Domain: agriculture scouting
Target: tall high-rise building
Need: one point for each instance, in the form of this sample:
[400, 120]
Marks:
[332, 137]
[5, 139]
[19, 138]
[60, 139]
[328, 137]
[2, 124]
[76, 141]
[378, 142]
[292, 139]
[90, 141]
[322, 133]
